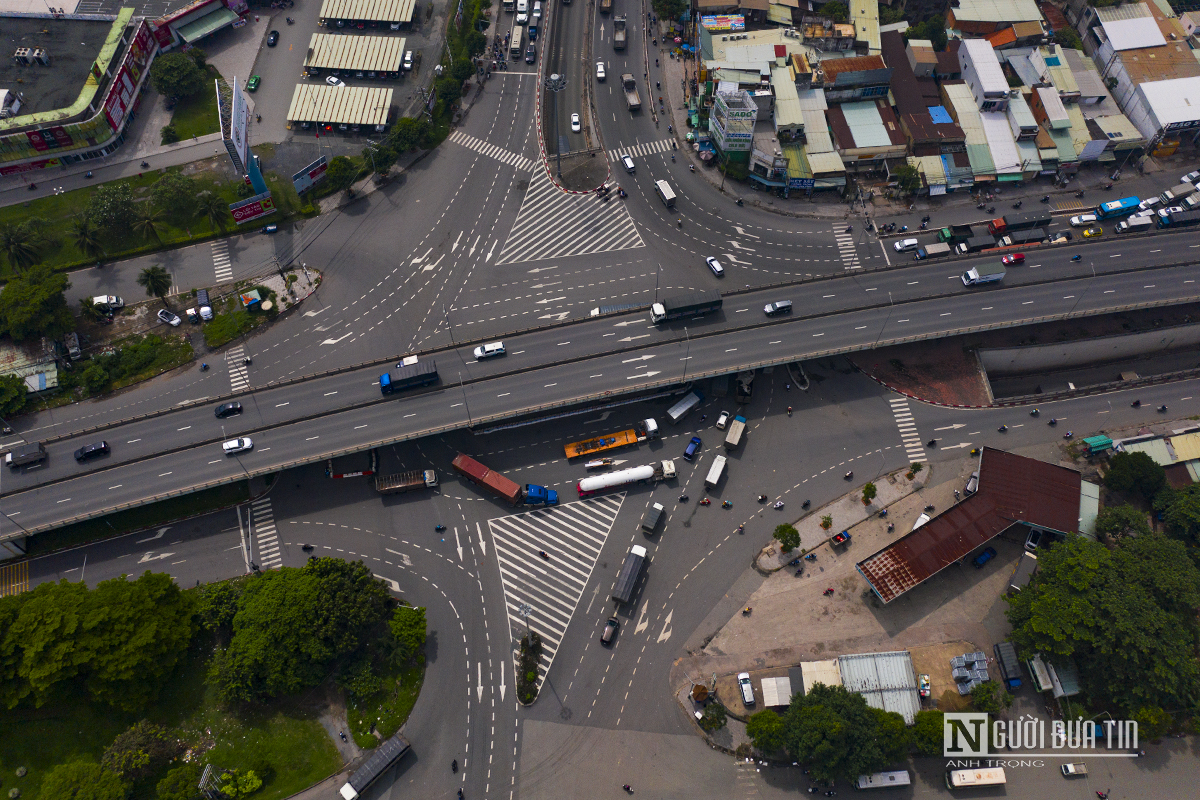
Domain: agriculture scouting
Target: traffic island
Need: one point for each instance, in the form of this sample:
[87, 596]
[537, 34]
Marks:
[528, 658]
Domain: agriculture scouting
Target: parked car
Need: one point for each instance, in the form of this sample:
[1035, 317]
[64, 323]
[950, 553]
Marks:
[1083, 220]
[777, 308]
[746, 688]
[972, 483]
[984, 557]
[575, 126]
[90, 451]
[272, 38]
[332, 81]
[1013, 258]
[715, 266]
[490, 350]
[1093, 232]
[408, 60]
[228, 410]
[272, 228]
[252, 84]
[1033, 540]
[693, 447]
[239, 445]
[722, 420]
[168, 318]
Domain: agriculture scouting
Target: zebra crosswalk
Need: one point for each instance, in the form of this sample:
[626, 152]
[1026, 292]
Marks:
[846, 248]
[908, 429]
[554, 224]
[637, 150]
[264, 535]
[492, 151]
[221, 262]
[1072, 205]
[238, 377]
[543, 594]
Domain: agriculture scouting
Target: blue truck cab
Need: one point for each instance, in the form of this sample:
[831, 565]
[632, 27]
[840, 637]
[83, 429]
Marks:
[540, 496]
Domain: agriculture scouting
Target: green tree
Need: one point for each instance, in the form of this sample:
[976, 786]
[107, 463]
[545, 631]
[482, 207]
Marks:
[156, 281]
[1181, 513]
[81, 780]
[869, 492]
[148, 222]
[889, 15]
[111, 206]
[835, 11]
[932, 29]
[86, 237]
[1123, 520]
[787, 536]
[1068, 38]
[217, 604]
[294, 625]
[766, 731]
[13, 396]
[835, 733]
[990, 697]
[176, 75]
[236, 784]
[713, 717]
[90, 311]
[1135, 473]
[1153, 722]
[33, 304]
[409, 630]
[140, 751]
[199, 58]
[449, 89]
[180, 783]
[19, 243]
[927, 732]
[893, 734]
[340, 172]
[212, 207]
[95, 378]
[169, 134]
[175, 194]
[670, 9]
[907, 177]
[409, 133]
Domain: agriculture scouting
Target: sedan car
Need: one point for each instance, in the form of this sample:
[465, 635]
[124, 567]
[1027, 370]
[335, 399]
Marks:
[272, 38]
[252, 84]
[600, 71]
[972, 483]
[228, 410]
[610, 630]
[271, 228]
[332, 81]
[1191, 177]
[715, 266]
[90, 451]
[1093, 232]
[777, 308]
[904, 245]
[575, 125]
[239, 445]
[628, 164]
[408, 60]
[168, 318]
[489, 350]
[1013, 258]
[1165, 212]
[693, 447]
[531, 56]
[984, 557]
[1149, 202]
[722, 420]
[1082, 220]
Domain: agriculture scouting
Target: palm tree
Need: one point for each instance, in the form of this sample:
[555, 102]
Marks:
[147, 222]
[19, 245]
[157, 282]
[89, 310]
[87, 238]
[210, 206]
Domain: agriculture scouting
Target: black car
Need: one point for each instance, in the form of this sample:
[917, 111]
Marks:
[228, 410]
[90, 451]
[531, 53]
[272, 38]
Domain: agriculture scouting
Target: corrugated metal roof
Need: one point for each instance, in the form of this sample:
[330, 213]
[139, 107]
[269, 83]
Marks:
[825, 672]
[885, 680]
[1173, 101]
[373, 10]
[987, 67]
[344, 105]
[865, 16]
[996, 11]
[1056, 112]
[1000, 142]
[776, 691]
[1031, 159]
[1019, 111]
[1132, 34]
[1123, 11]
[827, 163]
[1186, 446]
[367, 53]
[788, 109]
[1012, 489]
[866, 126]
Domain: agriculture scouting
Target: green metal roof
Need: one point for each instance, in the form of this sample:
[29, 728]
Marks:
[199, 28]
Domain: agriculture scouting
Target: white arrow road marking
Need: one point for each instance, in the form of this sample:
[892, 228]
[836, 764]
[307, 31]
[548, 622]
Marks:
[741, 232]
[335, 341]
[457, 543]
[632, 338]
[475, 246]
[737, 246]
[642, 621]
[395, 587]
[536, 270]
[147, 558]
[952, 427]
[454, 246]
[626, 322]
[404, 559]
[958, 446]
[502, 680]
[639, 358]
[732, 259]
[419, 259]
[545, 285]
[551, 300]
[479, 688]
[559, 316]
[158, 535]
[649, 374]
[314, 313]
[666, 631]
[429, 267]
[491, 250]
[482, 541]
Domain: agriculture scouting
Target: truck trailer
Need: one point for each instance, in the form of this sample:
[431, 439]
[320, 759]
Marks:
[627, 578]
[1023, 238]
[408, 374]
[659, 471]
[694, 304]
[380, 762]
[733, 437]
[681, 409]
[618, 29]
[1173, 196]
[1019, 222]
[500, 486]
[1135, 225]
[653, 515]
[640, 432]
[400, 482]
[975, 244]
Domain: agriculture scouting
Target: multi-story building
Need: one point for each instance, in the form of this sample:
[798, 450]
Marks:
[981, 70]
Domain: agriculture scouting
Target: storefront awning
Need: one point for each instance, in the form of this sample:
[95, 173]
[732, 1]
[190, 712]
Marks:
[199, 28]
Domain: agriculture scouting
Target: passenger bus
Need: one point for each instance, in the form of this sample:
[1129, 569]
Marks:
[980, 776]
[1117, 208]
[883, 780]
[517, 45]
[510, 5]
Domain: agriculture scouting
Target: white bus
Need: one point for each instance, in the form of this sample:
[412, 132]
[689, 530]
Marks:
[882, 780]
[980, 776]
[510, 5]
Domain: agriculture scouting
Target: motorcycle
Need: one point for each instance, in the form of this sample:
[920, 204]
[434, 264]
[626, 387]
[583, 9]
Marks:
[828, 591]
[204, 367]
[544, 554]
[762, 498]
[1107, 186]
[726, 504]
[1068, 435]
[1046, 199]
[931, 443]
[1034, 413]
[1053, 422]
[1077, 258]
[789, 411]
[439, 528]
[291, 21]
[692, 167]
[925, 218]
[849, 475]
[991, 209]
[811, 557]
[1003, 429]
[849, 228]
[683, 498]
[706, 502]
[1079, 193]
[929, 507]
[145, 165]
[308, 548]
[739, 202]
[1136, 404]
[805, 504]
[741, 528]
[1162, 409]
[924, 225]
[904, 229]
[746, 611]
[981, 206]
[1018, 204]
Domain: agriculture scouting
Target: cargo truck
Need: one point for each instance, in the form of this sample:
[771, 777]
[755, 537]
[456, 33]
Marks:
[1174, 196]
[1010, 667]
[1022, 238]
[658, 471]
[602, 310]
[1019, 222]
[640, 432]
[408, 374]
[681, 409]
[1179, 219]
[500, 486]
[954, 234]
[685, 305]
[605, 6]
[618, 29]
[733, 437]
[653, 515]
[932, 251]
[380, 762]
[1135, 225]
[401, 482]
[975, 276]
[25, 454]
[665, 193]
[627, 578]
[975, 244]
[715, 472]
[631, 93]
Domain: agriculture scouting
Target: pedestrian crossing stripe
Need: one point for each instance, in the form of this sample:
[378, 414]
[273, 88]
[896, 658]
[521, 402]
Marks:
[908, 429]
[223, 267]
[637, 150]
[846, 248]
[492, 151]
[238, 377]
[573, 535]
[263, 522]
[555, 224]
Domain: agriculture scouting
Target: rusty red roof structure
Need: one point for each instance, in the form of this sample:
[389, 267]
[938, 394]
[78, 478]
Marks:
[1013, 490]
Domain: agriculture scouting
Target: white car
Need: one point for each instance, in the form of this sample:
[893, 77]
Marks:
[234, 446]
[332, 81]
[1149, 203]
[575, 126]
[723, 420]
[746, 688]
[408, 60]
[905, 245]
[1164, 212]
[1191, 177]
[168, 318]
[715, 266]
[627, 163]
[522, 19]
[600, 71]
[1083, 220]
[489, 350]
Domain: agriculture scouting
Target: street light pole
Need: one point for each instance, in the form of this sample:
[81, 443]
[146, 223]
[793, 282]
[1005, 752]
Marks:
[687, 353]
[555, 84]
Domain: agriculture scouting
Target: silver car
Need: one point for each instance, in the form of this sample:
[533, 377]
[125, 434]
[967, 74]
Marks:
[489, 350]
[239, 445]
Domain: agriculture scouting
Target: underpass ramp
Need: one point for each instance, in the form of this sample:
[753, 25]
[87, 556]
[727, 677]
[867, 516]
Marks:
[573, 535]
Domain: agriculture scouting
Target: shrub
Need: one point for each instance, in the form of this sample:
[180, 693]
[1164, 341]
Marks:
[788, 537]
[169, 134]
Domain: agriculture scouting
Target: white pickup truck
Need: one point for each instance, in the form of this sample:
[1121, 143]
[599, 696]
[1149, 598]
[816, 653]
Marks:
[1074, 770]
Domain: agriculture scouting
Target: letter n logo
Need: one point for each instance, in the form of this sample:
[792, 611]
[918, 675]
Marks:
[964, 735]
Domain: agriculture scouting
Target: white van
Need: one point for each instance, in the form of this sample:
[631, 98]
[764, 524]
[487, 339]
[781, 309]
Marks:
[904, 245]
[522, 6]
[746, 688]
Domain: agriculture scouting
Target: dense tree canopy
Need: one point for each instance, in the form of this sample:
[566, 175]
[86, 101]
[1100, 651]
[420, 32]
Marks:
[1126, 616]
[176, 75]
[766, 731]
[838, 735]
[927, 732]
[1135, 473]
[1181, 513]
[32, 305]
[175, 194]
[1124, 520]
[932, 29]
[81, 780]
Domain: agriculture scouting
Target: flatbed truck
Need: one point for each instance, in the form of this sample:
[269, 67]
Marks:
[408, 376]
[400, 482]
[733, 437]
[1019, 222]
[694, 304]
[640, 432]
[618, 29]
[631, 93]
[975, 244]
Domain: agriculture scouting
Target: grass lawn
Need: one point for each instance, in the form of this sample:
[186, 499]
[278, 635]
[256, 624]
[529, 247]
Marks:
[389, 709]
[197, 115]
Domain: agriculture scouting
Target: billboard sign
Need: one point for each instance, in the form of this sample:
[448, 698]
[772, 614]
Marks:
[724, 22]
[252, 208]
[306, 178]
[239, 124]
[123, 92]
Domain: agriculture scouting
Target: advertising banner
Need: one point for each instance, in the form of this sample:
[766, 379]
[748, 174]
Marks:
[252, 208]
[724, 22]
[306, 178]
[239, 123]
